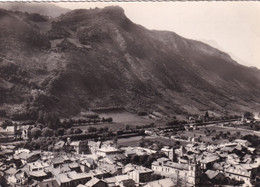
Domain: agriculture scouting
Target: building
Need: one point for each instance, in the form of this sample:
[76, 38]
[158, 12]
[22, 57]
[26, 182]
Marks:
[208, 161]
[190, 173]
[120, 180]
[49, 183]
[95, 182]
[28, 157]
[168, 152]
[17, 177]
[214, 175]
[105, 151]
[168, 182]
[81, 147]
[244, 143]
[140, 174]
[238, 174]
[36, 166]
[72, 179]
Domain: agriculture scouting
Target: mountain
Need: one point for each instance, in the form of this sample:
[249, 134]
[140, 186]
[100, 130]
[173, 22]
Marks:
[99, 58]
[47, 9]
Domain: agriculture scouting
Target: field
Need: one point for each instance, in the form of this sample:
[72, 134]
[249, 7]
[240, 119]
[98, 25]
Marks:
[134, 141]
[215, 134]
[120, 120]
[126, 118]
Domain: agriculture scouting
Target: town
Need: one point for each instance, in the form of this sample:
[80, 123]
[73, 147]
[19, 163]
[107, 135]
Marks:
[197, 152]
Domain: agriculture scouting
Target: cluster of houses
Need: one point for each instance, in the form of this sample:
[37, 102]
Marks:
[98, 164]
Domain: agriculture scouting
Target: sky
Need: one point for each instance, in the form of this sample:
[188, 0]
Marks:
[233, 27]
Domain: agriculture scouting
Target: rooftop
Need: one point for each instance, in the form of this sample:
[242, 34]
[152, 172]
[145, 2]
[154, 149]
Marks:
[39, 173]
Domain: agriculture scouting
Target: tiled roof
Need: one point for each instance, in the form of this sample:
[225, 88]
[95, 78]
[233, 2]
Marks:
[108, 149]
[209, 159]
[73, 165]
[39, 173]
[92, 182]
[161, 183]
[49, 183]
[173, 165]
[57, 160]
[211, 174]
[238, 172]
[163, 159]
[11, 171]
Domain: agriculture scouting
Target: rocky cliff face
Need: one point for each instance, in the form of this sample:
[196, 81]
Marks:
[99, 58]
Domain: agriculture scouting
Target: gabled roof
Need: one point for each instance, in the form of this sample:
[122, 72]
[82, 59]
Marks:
[217, 166]
[161, 183]
[62, 169]
[116, 157]
[81, 185]
[163, 159]
[93, 181]
[59, 144]
[75, 143]
[39, 173]
[73, 165]
[11, 171]
[240, 172]
[57, 160]
[240, 141]
[227, 149]
[211, 174]
[25, 155]
[108, 149]
[209, 159]
[49, 183]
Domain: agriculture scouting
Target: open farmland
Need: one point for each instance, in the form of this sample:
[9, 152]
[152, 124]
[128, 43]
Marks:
[121, 119]
[126, 117]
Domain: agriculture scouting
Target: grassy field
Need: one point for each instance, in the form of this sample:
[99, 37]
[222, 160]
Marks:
[112, 126]
[125, 117]
[134, 141]
[120, 121]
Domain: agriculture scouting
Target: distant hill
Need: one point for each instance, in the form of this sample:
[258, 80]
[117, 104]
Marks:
[47, 9]
[99, 58]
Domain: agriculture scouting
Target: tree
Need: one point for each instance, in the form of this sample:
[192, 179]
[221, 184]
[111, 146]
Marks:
[36, 132]
[134, 159]
[142, 142]
[105, 129]
[60, 131]
[78, 131]
[40, 117]
[178, 181]
[47, 132]
[143, 159]
[92, 129]
[127, 127]
[173, 123]
[109, 119]
[115, 140]
[248, 115]
[6, 123]
[174, 157]
[69, 131]
[206, 116]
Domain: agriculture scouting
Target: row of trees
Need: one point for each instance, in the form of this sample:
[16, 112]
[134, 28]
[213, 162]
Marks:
[176, 122]
[52, 121]
[38, 131]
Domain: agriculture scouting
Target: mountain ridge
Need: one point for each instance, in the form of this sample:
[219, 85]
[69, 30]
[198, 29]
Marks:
[47, 9]
[99, 58]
